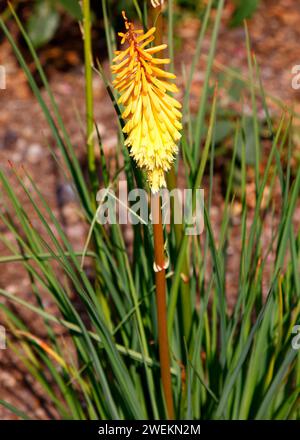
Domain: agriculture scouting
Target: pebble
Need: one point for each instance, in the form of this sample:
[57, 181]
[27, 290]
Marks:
[16, 157]
[65, 194]
[7, 379]
[9, 139]
[34, 153]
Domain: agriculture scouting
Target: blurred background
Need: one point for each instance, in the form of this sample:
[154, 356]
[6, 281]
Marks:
[53, 26]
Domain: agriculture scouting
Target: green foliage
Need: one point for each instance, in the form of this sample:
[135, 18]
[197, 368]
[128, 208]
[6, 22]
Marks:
[244, 9]
[46, 18]
[72, 7]
[43, 23]
[238, 362]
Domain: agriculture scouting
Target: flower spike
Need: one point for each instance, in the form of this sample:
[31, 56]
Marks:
[151, 114]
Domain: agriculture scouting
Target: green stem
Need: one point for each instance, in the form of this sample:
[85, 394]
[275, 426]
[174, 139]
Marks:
[88, 62]
[107, 31]
[185, 296]
[92, 171]
[42, 256]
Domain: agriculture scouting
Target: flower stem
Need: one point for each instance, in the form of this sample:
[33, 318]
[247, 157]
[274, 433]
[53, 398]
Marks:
[160, 280]
[88, 60]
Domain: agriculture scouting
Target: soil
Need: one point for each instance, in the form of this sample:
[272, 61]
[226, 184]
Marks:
[25, 137]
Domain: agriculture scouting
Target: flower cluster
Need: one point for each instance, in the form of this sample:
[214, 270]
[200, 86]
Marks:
[151, 114]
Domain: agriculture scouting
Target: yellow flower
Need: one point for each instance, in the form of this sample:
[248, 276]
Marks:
[151, 114]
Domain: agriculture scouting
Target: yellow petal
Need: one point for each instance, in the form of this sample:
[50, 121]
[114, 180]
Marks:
[156, 49]
[146, 35]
